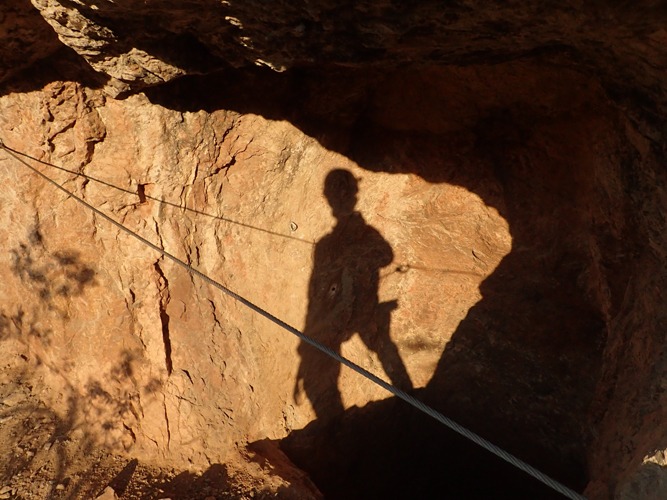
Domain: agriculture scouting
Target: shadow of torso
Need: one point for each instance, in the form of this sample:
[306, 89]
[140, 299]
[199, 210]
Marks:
[342, 300]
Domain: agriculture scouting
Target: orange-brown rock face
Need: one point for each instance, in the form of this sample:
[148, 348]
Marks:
[485, 231]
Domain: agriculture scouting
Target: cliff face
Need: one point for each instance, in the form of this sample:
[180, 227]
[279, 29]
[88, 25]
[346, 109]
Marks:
[506, 256]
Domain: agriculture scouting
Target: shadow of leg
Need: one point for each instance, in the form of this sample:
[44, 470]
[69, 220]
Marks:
[380, 342]
[319, 375]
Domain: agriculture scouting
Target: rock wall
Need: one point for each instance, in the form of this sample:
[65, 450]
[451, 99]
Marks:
[508, 163]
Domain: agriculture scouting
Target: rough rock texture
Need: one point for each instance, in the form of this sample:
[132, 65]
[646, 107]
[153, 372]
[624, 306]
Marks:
[509, 162]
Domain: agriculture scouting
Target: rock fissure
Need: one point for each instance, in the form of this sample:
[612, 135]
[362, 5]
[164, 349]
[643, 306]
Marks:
[167, 426]
[163, 301]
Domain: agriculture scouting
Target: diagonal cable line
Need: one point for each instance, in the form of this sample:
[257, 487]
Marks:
[159, 200]
[408, 398]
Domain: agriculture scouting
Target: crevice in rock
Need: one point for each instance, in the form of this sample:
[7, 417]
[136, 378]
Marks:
[164, 317]
[214, 312]
[231, 162]
[166, 420]
[131, 432]
[141, 192]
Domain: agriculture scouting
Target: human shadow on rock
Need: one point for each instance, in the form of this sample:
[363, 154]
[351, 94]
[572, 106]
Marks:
[343, 300]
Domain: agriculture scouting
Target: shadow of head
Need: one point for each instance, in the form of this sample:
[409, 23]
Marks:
[340, 189]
